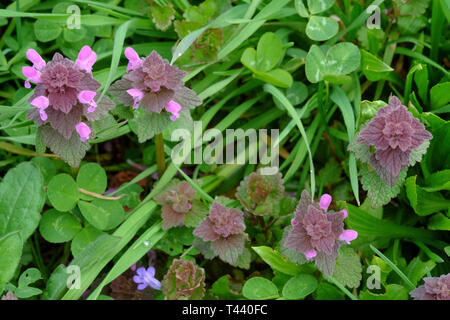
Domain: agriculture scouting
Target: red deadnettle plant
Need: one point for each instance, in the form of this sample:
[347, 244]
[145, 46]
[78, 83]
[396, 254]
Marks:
[223, 232]
[394, 133]
[179, 206]
[64, 102]
[259, 193]
[316, 233]
[184, 281]
[155, 87]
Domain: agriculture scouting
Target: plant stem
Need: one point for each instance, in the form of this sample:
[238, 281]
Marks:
[160, 154]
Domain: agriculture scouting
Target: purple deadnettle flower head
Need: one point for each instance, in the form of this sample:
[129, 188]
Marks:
[318, 233]
[394, 133]
[436, 288]
[146, 278]
[64, 98]
[176, 204]
[154, 85]
[224, 230]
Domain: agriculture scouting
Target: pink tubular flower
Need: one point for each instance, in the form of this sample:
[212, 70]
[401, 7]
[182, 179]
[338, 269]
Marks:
[137, 96]
[174, 108]
[318, 234]
[87, 97]
[32, 75]
[133, 59]
[86, 59]
[41, 103]
[83, 130]
[38, 62]
[394, 133]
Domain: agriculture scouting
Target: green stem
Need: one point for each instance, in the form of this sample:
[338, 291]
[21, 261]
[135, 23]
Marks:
[160, 155]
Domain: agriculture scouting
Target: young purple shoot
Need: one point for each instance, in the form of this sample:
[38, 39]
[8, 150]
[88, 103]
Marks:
[318, 233]
[146, 278]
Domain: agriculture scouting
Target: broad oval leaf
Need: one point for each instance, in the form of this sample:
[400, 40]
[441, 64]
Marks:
[102, 214]
[268, 52]
[92, 177]
[321, 28]
[317, 6]
[57, 227]
[258, 288]
[10, 253]
[22, 197]
[63, 192]
[299, 286]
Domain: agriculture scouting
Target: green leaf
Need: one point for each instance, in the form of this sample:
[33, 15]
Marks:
[63, 192]
[21, 200]
[74, 35]
[327, 291]
[439, 95]
[348, 268]
[438, 155]
[10, 251]
[28, 277]
[321, 28]
[46, 31]
[439, 222]
[374, 68]
[83, 238]
[424, 203]
[318, 6]
[393, 292]
[297, 93]
[196, 215]
[277, 261]
[268, 51]
[221, 288]
[46, 166]
[278, 77]
[102, 214]
[417, 269]
[92, 177]
[299, 287]
[58, 227]
[71, 151]
[162, 16]
[437, 181]
[258, 288]
[368, 226]
[378, 192]
[341, 59]
[150, 124]
[301, 9]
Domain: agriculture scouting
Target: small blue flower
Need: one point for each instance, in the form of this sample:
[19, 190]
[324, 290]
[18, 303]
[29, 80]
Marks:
[146, 278]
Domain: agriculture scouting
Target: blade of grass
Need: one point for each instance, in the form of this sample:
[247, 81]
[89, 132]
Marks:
[394, 267]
